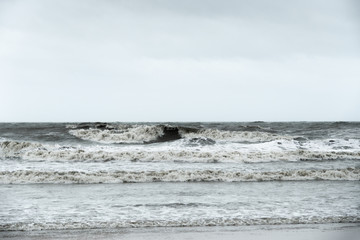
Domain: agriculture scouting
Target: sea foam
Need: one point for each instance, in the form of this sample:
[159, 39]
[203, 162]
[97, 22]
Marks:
[186, 222]
[82, 177]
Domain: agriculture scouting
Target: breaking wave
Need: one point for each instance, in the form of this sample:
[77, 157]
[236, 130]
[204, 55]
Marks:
[56, 177]
[15, 148]
[36, 151]
[136, 134]
[186, 155]
[207, 222]
[233, 136]
[160, 133]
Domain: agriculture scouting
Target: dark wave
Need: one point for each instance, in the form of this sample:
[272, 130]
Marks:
[169, 134]
[129, 133]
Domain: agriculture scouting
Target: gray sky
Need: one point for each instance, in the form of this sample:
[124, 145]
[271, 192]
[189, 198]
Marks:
[158, 60]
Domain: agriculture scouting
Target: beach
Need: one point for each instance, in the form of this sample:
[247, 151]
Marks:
[294, 232]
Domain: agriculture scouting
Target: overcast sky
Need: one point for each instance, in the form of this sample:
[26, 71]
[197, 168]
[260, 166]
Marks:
[170, 60]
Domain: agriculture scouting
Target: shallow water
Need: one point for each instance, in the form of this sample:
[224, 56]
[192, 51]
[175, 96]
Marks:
[49, 206]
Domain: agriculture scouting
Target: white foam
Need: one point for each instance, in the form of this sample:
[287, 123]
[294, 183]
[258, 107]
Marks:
[332, 144]
[233, 136]
[15, 148]
[56, 177]
[135, 134]
[146, 133]
[186, 222]
[186, 155]
[280, 150]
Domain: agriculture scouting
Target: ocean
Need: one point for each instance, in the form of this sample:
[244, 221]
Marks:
[71, 176]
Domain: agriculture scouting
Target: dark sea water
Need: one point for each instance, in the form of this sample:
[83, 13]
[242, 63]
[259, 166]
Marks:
[122, 175]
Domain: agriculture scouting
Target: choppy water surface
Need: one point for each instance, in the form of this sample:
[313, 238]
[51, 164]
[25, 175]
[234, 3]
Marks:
[112, 175]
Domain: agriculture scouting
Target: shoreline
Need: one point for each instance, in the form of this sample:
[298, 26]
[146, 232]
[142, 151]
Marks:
[271, 232]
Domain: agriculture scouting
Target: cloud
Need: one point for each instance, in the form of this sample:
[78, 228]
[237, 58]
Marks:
[179, 60]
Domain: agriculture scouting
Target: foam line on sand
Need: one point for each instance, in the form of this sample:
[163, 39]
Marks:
[281, 232]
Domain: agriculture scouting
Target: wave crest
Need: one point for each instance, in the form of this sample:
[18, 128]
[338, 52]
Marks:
[186, 155]
[233, 136]
[159, 133]
[189, 150]
[56, 177]
[15, 148]
[135, 134]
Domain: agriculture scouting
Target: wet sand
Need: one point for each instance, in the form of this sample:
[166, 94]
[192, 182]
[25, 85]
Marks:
[281, 232]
